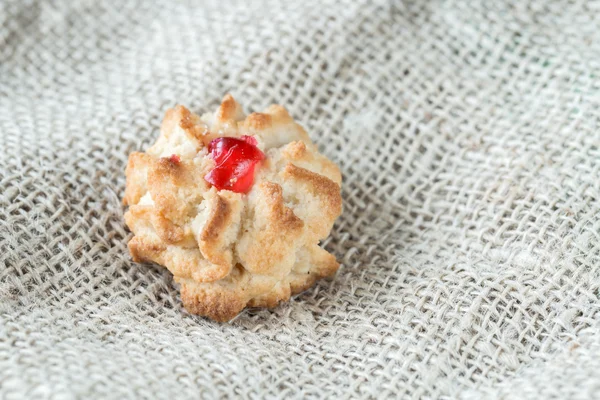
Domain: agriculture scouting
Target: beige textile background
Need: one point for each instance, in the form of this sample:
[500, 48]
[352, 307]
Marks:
[468, 133]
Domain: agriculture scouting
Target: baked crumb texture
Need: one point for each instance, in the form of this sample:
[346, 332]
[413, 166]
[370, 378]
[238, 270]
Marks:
[229, 250]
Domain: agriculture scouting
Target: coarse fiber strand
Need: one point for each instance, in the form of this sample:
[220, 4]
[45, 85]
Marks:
[468, 135]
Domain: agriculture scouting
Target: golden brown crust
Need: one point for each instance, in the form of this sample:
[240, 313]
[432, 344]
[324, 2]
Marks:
[145, 218]
[228, 250]
[295, 150]
[138, 218]
[279, 113]
[176, 188]
[325, 192]
[228, 109]
[176, 120]
[213, 241]
[324, 263]
[303, 156]
[258, 121]
[189, 123]
[135, 174]
[219, 217]
[318, 185]
[268, 247]
[143, 250]
[169, 232]
[280, 292]
[219, 304]
[279, 215]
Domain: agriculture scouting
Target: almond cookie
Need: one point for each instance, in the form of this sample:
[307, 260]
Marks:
[234, 206]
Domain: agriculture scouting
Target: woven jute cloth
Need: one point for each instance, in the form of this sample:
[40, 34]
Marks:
[468, 135]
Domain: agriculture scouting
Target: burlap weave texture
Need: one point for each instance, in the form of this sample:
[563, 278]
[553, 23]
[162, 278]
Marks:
[468, 134]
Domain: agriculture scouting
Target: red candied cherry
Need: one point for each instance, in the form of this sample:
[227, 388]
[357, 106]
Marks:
[235, 160]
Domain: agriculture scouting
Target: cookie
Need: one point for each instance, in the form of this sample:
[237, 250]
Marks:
[234, 206]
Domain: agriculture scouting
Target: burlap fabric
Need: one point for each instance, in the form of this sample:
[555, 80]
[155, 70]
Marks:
[468, 134]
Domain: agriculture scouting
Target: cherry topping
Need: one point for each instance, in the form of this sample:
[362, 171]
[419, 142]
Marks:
[175, 159]
[235, 160]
